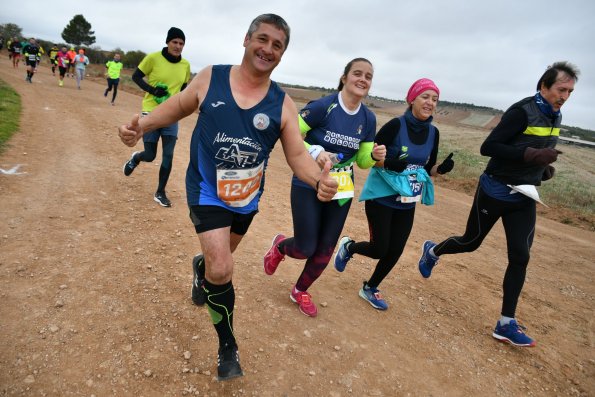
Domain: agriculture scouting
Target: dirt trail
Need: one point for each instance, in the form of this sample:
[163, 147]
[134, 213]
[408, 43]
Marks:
[95, 279]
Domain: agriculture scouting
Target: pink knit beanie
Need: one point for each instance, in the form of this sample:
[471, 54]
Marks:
[420, 86]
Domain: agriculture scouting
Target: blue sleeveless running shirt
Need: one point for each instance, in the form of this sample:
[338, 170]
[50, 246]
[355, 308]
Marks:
[416, 156]
[335, 128]
[230, 146]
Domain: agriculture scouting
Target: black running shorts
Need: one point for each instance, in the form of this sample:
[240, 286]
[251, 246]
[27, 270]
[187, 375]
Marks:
[211, 217]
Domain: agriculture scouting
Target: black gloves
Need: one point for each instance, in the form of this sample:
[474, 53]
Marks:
[548, 173]
[543, 156]
[447, 165]
[159, 92]
[395, 164]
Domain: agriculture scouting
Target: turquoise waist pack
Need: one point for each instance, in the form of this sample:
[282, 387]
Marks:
[382, 183]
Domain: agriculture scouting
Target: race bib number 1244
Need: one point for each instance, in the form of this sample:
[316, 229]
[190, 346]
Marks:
[237, 188]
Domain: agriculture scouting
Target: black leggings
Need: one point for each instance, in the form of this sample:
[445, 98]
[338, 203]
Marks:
[150, 152]
[389, 231]
[316, 229]
[518, 219]
[113, 83]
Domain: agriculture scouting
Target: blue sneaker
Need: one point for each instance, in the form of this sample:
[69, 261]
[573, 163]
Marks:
[513, 334]
[372, 296]
[342, 256]
[427, 260]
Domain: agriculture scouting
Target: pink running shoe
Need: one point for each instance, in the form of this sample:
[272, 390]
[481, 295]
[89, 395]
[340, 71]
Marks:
[273, 257]
[304, 301]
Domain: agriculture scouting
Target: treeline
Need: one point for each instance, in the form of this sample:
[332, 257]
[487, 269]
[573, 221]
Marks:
[573, 132]
[460, 105]
[470, 106]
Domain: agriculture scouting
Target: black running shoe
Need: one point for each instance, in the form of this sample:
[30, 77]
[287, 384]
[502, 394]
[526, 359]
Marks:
[198, 294]
[162, 199]
[228, 363]
[105, 93]
[130, 164]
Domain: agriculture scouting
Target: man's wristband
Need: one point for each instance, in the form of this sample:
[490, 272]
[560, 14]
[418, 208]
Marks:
[372, 155]
[317, 183]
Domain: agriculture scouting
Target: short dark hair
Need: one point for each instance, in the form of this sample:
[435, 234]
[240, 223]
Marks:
[551, 74]
[348, 68]
[271, 19]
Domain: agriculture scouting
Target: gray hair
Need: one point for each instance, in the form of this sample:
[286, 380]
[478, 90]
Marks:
[271, 19]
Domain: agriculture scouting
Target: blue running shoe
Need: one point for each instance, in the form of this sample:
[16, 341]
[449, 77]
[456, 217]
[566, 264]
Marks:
[372, 296]
[513, 333]
[427, 260]
[342, 256]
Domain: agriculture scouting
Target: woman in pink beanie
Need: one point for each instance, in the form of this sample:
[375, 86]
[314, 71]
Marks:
[411, 146]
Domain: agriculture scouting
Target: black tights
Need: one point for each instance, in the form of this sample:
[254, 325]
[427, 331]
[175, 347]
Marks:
[317, 226]
[150, 152]
[112, 83]
[389, 231]
[518, 219]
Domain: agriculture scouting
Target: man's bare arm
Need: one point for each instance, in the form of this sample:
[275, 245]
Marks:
[301, 163]
[175, 108]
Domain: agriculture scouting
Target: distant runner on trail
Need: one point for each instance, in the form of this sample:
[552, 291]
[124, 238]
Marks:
[15, 50]
[114, 67]
[521, 149]
[52, 54]
[337, 128]
[31, 52]
[80, 65]
[242, 115]
[167, 74]
[63, 62]
[71, 54]
[412, 143]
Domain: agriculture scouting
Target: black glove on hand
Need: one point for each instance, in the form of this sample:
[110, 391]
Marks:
[447, 165]
[543, 156]
[395, 165]
[159, 92]
[548, 173]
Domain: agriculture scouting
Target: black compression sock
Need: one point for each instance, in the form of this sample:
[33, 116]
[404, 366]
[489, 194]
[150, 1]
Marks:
[220, 302]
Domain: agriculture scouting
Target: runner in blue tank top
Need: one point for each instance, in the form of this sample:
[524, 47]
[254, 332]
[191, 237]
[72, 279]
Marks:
[339, 127]
[230, 146]
[412, 146]
[242, 114]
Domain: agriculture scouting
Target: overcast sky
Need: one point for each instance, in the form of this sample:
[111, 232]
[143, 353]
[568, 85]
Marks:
[488, 53]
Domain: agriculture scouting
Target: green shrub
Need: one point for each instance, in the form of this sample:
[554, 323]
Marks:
[10, 111]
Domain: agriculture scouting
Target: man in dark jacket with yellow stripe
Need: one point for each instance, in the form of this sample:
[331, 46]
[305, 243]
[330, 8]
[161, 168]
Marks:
[521, 150]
